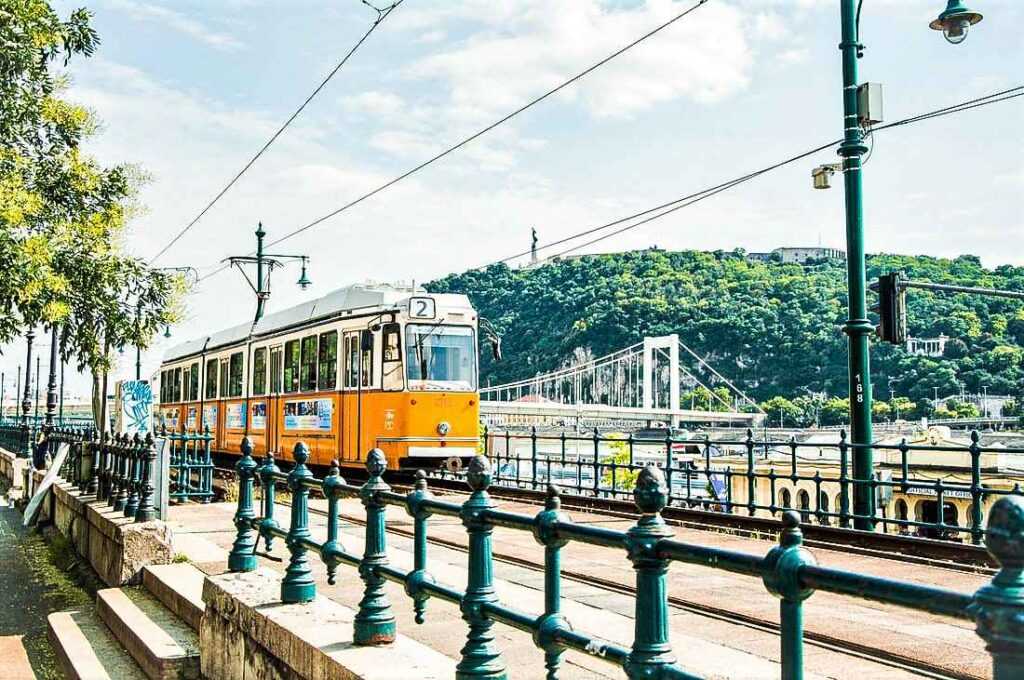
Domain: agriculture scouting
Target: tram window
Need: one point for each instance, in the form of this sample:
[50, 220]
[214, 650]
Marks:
[163, 387]
[275, 370]
[307, 370]
[291, 366]
[391, 356]
[211, 379]
[259, 371]
[328, 357]
[366, 347]
[351, 358]
[224, 378]
[236, 374]
[177, 385]
[193, 382]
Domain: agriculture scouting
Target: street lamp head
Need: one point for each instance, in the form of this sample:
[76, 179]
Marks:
[304, 281]
[167, 331]
[955, 21]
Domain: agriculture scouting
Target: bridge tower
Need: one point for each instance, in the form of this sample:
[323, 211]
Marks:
[665, 342]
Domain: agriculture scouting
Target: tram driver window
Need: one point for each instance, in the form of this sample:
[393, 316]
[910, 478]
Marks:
[211, 379]
[291, 366]
[440, 357]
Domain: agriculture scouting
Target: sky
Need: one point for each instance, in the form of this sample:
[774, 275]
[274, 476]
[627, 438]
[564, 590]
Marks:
[189, 90]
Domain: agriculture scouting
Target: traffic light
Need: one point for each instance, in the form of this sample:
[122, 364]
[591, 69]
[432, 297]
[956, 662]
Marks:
[892, 309]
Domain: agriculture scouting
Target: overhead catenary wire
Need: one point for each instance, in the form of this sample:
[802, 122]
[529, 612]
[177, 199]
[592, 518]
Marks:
[504, 119]
[691, 199]
[382, 14]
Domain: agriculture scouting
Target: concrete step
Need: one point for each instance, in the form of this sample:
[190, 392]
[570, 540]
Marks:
[86, 649]
[179, 587]
[162, 644]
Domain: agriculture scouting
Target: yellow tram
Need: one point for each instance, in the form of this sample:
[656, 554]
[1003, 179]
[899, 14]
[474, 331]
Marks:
[363, 367]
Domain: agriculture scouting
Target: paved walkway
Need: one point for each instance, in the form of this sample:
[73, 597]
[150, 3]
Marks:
[710, 647]
[31, 588]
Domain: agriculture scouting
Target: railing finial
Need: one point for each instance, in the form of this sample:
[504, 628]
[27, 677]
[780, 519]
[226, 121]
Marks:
[298, 584]
[651, 491]
[999, 606]
[242, 557]
[478, 474]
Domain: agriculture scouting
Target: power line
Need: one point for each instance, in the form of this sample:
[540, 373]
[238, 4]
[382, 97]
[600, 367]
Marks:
[487, 129]
[382, 14]
[696, 197]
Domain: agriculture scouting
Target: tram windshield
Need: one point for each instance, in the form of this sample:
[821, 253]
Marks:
[440, 357]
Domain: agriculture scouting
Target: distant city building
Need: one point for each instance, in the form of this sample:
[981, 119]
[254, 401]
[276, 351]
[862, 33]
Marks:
[929, 347]
[799, 255]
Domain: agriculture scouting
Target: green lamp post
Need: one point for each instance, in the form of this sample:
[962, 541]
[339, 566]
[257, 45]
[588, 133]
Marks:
[954, 23]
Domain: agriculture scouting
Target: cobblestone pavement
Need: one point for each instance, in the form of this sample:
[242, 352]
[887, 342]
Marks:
[35, 580]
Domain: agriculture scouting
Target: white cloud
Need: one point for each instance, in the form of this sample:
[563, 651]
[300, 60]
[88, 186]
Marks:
[374, 103]
[518, 52]
[165, 16]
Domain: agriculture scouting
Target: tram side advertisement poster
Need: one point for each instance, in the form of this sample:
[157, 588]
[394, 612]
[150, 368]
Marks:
[191, 418]
[234, 416]
[259, 416]
[171, 418]
[308, 414]
[210, 416]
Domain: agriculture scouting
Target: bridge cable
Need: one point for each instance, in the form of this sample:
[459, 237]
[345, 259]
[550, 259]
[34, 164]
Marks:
[382, 14]
[483, 131]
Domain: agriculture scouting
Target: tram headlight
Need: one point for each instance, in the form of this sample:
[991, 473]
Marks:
[444, 427]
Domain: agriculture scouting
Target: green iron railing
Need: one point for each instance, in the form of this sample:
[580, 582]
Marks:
[118, 469]
[789, 571]
[700, 474]
[191, 465]
[18, 438]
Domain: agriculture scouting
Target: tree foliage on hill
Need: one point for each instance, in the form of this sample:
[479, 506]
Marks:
[773, 328]
[63, 215]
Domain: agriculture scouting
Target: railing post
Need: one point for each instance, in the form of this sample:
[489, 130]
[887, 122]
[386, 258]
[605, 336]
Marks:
[124, 466]
[90, 448]
[751, 477]
[267, 473]
[131, 505]
[242, 556]
[331, 550]
[298, 584]
[374, 622]
[419, 575]
[976, 490]
[651, 651]
[480, 656]
[551, 622]
[146, 512]
[781, 577]
[844, 481]
[998, 607]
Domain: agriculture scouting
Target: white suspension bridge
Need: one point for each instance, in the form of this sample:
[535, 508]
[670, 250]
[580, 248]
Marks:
[634, 387]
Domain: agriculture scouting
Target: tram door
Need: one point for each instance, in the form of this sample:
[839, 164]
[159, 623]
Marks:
[274, 401]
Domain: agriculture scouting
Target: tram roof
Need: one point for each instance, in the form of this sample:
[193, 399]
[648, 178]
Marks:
[361, 297]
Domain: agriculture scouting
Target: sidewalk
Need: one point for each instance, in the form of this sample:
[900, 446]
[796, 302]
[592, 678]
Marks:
[32, 587]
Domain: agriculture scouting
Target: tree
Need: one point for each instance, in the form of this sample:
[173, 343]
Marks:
[780, 410]
[62, 215]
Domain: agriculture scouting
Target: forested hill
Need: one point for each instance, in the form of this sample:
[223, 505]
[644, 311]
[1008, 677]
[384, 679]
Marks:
[773, 328]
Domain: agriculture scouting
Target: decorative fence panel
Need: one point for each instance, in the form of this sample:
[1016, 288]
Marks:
[191, 465]
[788, 570]
[956, 485]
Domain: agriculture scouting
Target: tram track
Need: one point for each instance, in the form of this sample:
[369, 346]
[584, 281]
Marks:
[921, 667]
